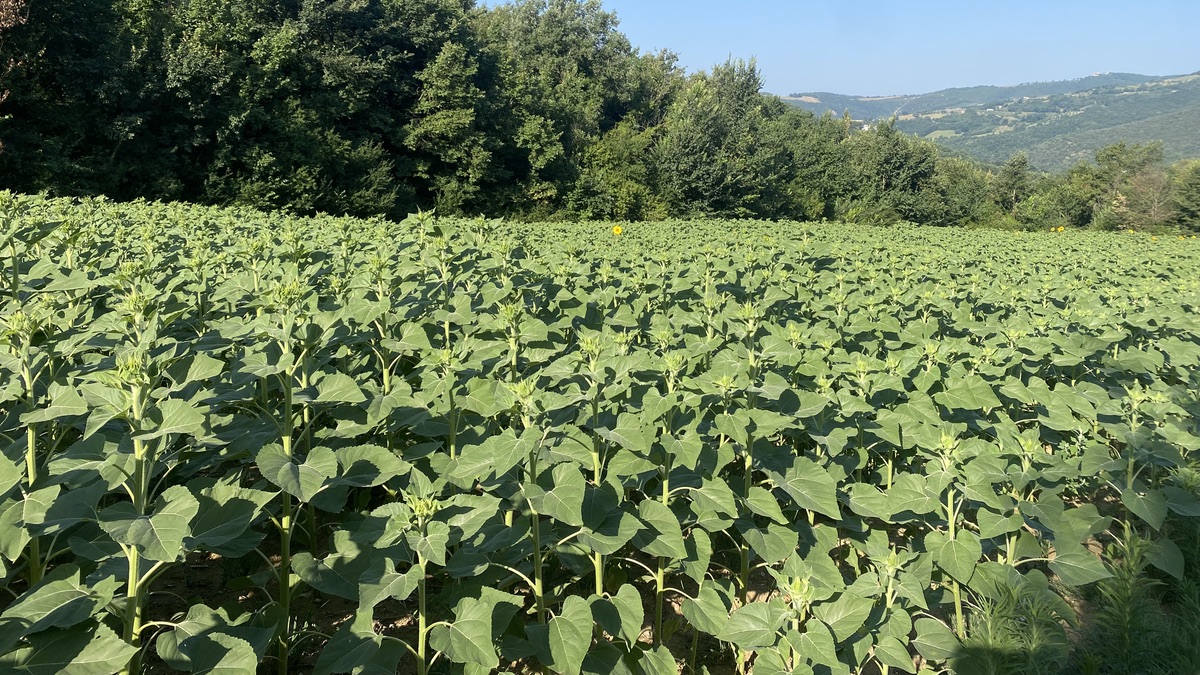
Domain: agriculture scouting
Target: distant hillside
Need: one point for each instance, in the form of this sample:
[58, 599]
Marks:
[1057, 123]
[875, 107]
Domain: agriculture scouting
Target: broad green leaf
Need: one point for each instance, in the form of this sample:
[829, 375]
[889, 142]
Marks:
[993, 525]
[468, 514]
[771, 543]
[934, 641]
[610, 535]
[160, 535]
[199, 368]
[662, 536]
[811, 487]
[755, 625]
[224, 515]
[1149, 505]
[959, 556]
[628, 602]
[1182, 502]
[844, 616]
[496, 455]
[893, 653]
[64, 402]
[302, 481]
[684, 449]
[488, 398]
[715, 495]
[564, 497]
[1078, 567]
[339, 388]
[13, 535]
[82, 461]
[810, 404]
[353, 646]
[87, 649]
[764, 504]
[630, 434]
[219, 654]
[203, 620]
[868, 501]
[777, 661]
[432, 544]
[469, 638]
[381, 581]
[59, 600]
[366, 466]
[898, 625]
[1166, 556]
[816, 643]
[175, 416]
[606, 527]
[969, 393]
[706, 612]
[568, 637]
[338, 573]
[658, 661]
[699, 554]
[605, 659]
[38, 503]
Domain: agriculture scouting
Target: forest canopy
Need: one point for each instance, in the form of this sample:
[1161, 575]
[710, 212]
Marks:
[535, 109]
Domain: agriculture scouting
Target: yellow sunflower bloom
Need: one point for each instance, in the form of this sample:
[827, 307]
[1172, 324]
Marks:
[617, 230]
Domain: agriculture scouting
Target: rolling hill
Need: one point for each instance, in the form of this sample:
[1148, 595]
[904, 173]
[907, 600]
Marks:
[1056, 123]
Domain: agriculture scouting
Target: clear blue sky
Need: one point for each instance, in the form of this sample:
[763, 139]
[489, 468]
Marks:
[874, 47]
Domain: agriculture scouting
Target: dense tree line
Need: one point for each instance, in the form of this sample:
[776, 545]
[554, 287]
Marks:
[532, 109]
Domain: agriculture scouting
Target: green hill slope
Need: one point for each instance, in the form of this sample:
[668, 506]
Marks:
[875, 107]
[1056, 123]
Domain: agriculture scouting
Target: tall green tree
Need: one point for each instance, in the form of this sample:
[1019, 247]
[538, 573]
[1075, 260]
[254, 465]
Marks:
[1146, 198]
[1057, 201]
[615, 182]
[1117, 168]
[296, 104]
[890, 170]
[66, 115]
[957, 194]
[713, 159]
[1185, 191]
[820, 162]
[562, 64]
[1118, 163]
[452, 146]
[12, 14]
[1014, 183]
[533, 108]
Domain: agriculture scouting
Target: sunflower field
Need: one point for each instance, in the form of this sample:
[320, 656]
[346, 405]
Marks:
[237, 442]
